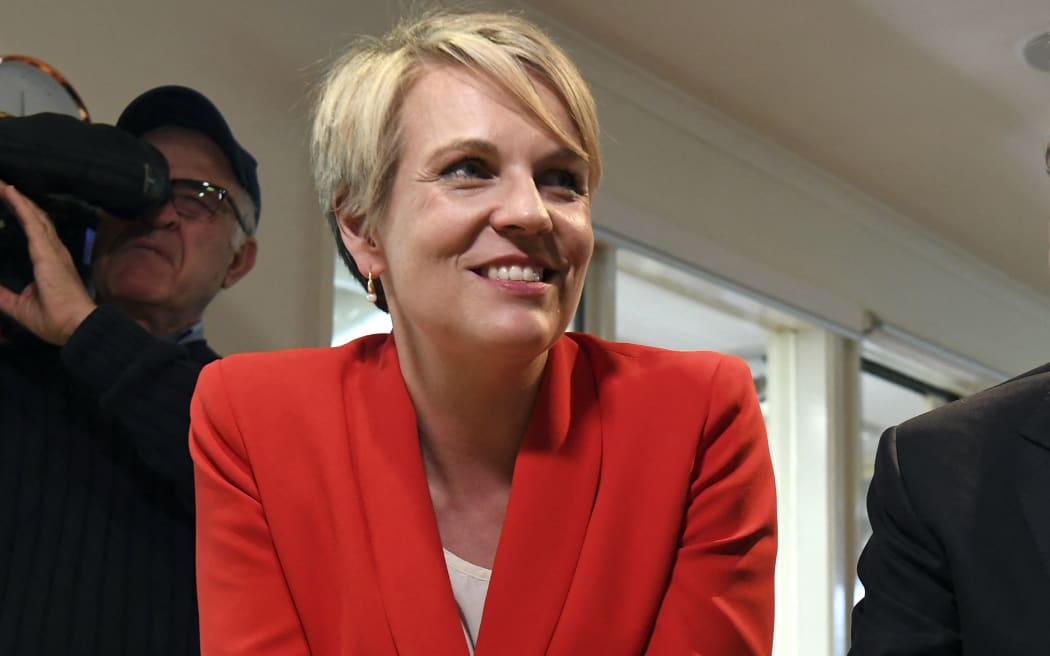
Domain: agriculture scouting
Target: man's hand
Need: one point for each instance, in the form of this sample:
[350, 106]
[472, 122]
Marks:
[55, 303]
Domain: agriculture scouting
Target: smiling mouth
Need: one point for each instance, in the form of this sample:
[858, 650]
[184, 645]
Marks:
[515, 273]
[141, 245]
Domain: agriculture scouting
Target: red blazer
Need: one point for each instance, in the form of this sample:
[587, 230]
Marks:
[641, 517]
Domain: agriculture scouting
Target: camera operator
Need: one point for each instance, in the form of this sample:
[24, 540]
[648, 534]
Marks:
[96, 483]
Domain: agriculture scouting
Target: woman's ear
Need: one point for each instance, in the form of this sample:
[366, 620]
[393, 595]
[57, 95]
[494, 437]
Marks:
[367, 254]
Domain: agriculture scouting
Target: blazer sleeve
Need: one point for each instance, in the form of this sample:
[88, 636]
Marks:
[909, 603]
[720, 596]
[245, 603]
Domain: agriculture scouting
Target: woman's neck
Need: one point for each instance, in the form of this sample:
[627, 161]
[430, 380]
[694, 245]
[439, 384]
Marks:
[472, 409]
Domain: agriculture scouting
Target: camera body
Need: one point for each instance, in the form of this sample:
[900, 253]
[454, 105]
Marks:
[75, 226]
[78, 173]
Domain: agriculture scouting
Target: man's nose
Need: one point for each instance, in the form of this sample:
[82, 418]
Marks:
[164, 218]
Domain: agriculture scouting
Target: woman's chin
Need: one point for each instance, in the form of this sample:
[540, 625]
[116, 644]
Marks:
[526, 335]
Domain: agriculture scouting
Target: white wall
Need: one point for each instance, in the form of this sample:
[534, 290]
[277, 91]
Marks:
[678, 177]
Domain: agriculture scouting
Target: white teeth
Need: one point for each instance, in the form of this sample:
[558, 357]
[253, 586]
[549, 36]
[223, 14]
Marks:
[514, 272]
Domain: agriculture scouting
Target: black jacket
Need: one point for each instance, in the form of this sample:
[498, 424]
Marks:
[96, 493]
[959, 558]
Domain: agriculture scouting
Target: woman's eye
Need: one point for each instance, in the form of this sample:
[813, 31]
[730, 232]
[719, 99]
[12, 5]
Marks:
[561, 179]
[467, 168]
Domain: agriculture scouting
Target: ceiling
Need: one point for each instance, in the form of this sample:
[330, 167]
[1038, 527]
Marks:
[924, 105]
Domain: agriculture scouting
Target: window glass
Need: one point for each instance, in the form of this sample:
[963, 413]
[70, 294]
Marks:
[661, 305]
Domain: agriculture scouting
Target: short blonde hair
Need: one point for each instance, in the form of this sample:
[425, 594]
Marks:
[355, 140]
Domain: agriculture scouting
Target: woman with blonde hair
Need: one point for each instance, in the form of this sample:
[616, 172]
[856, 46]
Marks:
[477, 481]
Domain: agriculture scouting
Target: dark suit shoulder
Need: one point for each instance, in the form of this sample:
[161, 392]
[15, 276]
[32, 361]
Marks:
[957, 459]
[1006, 406]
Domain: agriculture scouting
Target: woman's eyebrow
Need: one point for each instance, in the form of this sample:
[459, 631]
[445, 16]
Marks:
[459, 146]
[565, 154]
[489, 149]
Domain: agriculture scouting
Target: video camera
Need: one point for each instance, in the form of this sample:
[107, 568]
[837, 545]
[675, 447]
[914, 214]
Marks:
[77, 172]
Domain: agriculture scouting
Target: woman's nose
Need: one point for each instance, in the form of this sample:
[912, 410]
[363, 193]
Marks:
[521, 207]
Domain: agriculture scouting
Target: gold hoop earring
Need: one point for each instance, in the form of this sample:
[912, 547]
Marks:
[371, 289]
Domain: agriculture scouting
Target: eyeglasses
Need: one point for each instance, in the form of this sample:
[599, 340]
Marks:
[197, 200]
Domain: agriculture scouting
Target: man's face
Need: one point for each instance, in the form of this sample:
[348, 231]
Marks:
[164, 271]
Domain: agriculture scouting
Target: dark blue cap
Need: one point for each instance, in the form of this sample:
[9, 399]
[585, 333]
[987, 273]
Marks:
[183, 107]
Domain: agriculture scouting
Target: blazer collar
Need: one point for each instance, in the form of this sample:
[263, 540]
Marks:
[551, 499]
[552, 494]
[1036, 426]
[1033, 473]
[399, 516]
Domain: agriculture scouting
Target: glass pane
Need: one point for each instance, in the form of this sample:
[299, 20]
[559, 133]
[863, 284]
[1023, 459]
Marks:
[661, 305]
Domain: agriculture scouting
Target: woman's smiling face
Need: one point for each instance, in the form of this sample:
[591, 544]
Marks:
[487, 233]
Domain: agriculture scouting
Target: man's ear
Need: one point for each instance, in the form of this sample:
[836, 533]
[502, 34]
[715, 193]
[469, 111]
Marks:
[367, 254]
[242, 263]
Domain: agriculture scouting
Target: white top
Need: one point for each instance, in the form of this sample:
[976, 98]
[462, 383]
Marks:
[470, 585]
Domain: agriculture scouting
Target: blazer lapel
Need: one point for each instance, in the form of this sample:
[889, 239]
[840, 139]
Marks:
[1033, 480]
[406, 546]
[552, 495]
